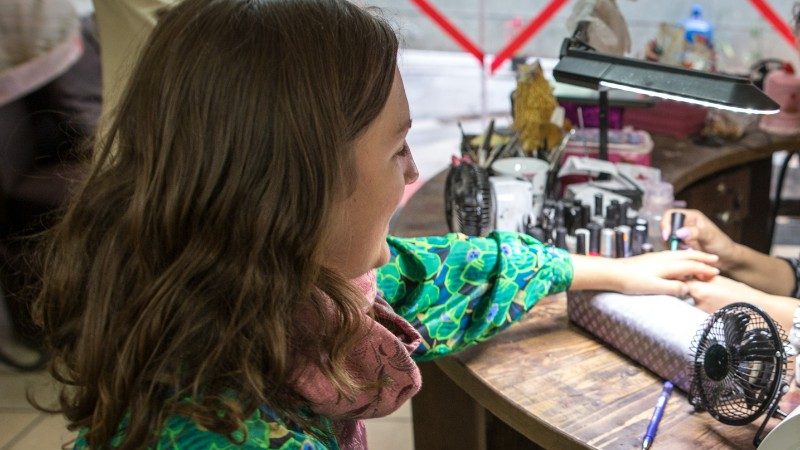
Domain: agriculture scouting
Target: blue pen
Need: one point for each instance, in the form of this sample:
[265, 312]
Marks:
[652, 427]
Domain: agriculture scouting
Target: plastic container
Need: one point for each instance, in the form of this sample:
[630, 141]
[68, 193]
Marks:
[677, 119]
[658, 198]
[626, 145]
[590, 114]
[695, 26]
[783, 86]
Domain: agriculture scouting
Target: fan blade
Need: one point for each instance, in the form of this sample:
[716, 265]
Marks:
[735, 325]
[756, 355]
[754, 377]
[756, 345]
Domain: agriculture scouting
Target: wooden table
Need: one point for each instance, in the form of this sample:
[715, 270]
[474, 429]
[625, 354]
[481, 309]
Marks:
[545, 382]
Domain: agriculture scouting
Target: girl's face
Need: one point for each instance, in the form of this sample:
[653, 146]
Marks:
[384, 166]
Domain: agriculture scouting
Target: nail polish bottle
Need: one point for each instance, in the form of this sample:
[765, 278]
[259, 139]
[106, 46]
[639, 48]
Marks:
[598, 205]
[561, 238]
[619, 243]
[580, 244]
[676, 223]
[594, 238]
[638, 239]
[623, 213]
[607, 242]
[626, 240]
[582, 237]
[586, 215]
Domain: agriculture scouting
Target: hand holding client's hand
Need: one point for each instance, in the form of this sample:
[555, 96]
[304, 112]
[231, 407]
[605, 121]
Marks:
[713, 294]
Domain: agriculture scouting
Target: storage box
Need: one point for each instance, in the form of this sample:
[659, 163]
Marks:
[677, 119]
[626, 145]
[590, 114]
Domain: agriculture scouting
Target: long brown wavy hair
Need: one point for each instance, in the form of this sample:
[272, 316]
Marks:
[181, 262]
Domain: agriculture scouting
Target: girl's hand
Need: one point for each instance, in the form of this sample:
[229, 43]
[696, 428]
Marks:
[665, 272]
[653, 273]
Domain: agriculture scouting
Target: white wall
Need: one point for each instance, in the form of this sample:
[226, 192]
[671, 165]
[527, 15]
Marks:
[738, 26]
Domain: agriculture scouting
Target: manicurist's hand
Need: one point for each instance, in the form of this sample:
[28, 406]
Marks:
[654, 273]
[720, 291]
[713, 294]
[700, 233]
[737, 261]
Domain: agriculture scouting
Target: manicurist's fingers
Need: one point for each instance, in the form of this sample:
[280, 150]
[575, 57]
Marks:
[669, 287]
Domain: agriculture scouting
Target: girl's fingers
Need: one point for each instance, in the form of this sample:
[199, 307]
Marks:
[691, 254]
[670, 287]
[689, 268]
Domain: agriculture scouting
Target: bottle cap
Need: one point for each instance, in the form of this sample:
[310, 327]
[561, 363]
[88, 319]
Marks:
[561, 237]
[677, 220]
[594, 236]
[619, 242]
[580, 245]
[598, 204]
[607, 242]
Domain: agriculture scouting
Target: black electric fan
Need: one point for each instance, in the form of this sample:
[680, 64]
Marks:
[739, 365]
[468, 199]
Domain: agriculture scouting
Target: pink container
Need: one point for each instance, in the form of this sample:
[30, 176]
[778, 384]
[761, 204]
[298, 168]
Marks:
[677, 119]
[783, 86]
[626, 145]
[591, 114]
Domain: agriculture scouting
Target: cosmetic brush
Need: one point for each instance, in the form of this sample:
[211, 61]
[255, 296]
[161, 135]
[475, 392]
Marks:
[485, 145]
[496, 151]
[466, 148]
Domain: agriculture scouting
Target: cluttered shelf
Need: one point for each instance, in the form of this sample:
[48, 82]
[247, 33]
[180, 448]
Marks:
[730, 184]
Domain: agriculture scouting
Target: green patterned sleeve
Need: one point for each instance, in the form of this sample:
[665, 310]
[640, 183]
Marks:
[263, 430]
[456, 290]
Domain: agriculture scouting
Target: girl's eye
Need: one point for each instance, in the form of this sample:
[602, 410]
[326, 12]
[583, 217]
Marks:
[403, 151]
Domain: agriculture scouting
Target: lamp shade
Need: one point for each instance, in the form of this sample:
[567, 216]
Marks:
[594, 70]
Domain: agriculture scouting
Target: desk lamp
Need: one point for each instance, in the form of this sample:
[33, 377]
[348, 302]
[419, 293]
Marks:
[581, 65]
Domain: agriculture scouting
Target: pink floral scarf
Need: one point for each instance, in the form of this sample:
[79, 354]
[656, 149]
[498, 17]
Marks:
[384, 355]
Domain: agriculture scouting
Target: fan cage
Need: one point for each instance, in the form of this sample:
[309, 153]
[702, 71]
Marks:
[469, 207]
[739, 364]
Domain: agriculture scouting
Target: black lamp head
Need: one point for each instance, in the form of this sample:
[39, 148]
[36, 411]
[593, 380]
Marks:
[582, 66]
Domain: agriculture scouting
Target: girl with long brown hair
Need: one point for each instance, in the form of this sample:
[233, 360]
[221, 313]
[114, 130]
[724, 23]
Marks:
[212, 283]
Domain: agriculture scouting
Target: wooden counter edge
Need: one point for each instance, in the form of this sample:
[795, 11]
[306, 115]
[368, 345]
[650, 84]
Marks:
[524, 423]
